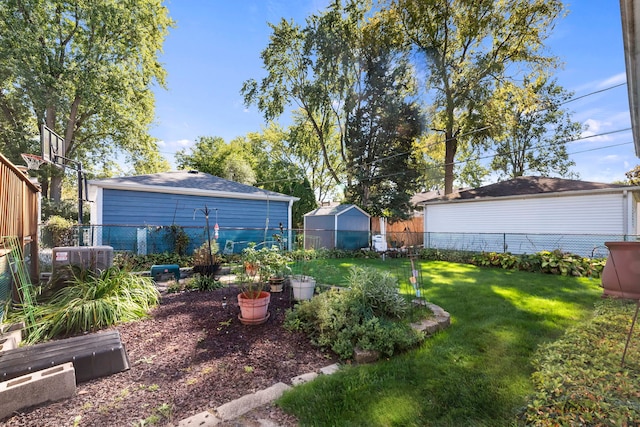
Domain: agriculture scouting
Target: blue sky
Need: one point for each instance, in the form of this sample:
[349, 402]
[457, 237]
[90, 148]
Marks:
[216, 46]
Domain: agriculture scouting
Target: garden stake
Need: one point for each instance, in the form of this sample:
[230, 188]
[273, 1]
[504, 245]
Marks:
[633, 323]
[414, 278]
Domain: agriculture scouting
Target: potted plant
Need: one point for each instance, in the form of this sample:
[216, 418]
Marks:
[276, 265]
[251, 260]
[303, 286]
[253, 300]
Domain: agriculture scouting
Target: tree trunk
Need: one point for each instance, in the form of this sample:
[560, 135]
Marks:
[55, 178]
[451, 145]
[55, 187]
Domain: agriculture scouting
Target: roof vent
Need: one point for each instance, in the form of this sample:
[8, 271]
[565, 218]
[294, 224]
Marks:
[193, 171]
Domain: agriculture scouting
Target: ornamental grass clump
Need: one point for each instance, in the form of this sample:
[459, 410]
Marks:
[368, 315]
[92, 301]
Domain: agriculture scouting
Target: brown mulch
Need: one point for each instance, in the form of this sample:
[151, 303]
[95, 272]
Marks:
[191, 355]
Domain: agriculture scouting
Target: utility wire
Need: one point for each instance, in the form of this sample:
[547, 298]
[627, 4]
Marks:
[435, 167]
[487, 127]
[433, 144]
[593, 93]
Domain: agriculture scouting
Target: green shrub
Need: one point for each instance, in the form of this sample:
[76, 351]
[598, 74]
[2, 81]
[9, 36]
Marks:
[174, 286]
[578, 378]
[57, 231]
[368, 315]
[201, 254]
[450, 255]
[131, 262]
[179, 238]
[203, 282]
[548, 262]
[376, 290]
[93, 301]
[67, 209]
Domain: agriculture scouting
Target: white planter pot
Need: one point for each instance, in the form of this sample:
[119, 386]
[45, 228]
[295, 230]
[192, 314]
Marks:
[303, 287]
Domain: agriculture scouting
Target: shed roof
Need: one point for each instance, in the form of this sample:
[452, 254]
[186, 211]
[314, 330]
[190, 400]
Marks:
[529, 186]
[189, 182]
[334, 210]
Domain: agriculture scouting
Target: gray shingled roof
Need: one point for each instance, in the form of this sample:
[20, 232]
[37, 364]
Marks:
[332, 210]
[527, 185]
[425, 196]
[191, 180]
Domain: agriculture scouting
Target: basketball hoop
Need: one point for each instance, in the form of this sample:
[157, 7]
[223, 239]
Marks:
[33, 162]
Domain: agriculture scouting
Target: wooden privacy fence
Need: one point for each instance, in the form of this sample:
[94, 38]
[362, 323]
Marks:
[19, 212]
[401, 233]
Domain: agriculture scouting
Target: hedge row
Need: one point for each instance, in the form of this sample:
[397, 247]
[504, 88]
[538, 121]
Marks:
[547, 262]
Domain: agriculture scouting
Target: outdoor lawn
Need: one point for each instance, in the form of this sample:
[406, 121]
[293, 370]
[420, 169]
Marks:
[479, 370]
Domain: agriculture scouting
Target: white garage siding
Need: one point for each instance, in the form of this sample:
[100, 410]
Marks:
[565, 222]
[593, 214]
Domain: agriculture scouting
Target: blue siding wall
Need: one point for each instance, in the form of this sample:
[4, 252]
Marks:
[353, 220]
[353, 230]
[238, 219]
[138, 208]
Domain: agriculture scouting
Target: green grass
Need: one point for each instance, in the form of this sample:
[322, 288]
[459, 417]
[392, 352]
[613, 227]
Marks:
[477, 372]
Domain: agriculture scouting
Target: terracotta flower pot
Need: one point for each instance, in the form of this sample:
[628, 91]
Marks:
[621, 273]
[254, 311]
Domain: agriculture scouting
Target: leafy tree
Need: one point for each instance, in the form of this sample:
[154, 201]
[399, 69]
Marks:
[86, 70]
[534, 129]
[303, 148]
[260, 159]
[282, 181]
[324, 69]
[16, 122]
[234, 161]
[469, 45]
[313, 68]
[633, 176]
[381, 135]
[280, 170]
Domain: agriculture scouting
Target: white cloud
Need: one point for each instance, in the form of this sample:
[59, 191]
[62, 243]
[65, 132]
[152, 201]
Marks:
[607, 82]
[613, 80]
[183, 142]
[161, 143]
[611, 158]
[595, 126]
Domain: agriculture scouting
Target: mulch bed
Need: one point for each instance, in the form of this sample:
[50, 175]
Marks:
[191, 355]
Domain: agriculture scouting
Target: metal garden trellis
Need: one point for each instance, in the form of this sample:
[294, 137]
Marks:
[206, 211]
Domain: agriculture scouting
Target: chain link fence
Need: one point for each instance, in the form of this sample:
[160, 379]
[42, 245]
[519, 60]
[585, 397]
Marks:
[585, 245]
[146, 239]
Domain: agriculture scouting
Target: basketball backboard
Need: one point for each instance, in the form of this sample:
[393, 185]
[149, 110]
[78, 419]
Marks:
[52, 146]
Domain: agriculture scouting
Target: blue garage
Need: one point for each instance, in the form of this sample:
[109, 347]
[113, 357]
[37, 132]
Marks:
[131, 213]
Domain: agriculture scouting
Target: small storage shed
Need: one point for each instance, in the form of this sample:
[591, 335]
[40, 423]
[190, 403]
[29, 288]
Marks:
[127, 210]
[529, 214]
[341, 227]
